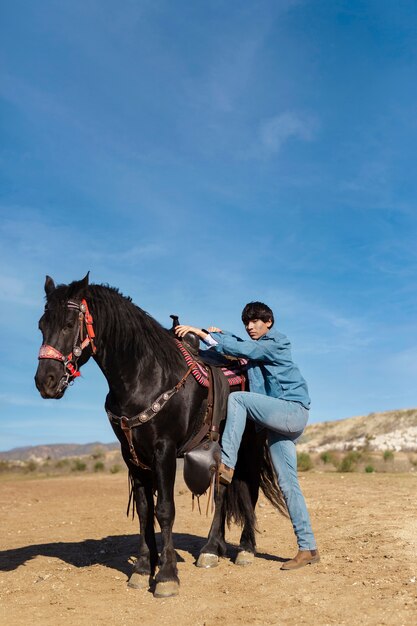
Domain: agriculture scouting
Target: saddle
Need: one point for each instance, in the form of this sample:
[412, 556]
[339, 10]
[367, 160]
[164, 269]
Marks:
[202, 453]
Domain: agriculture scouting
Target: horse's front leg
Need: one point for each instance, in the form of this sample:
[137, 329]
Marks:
[216, 544]
[145, 565]
[167, 582]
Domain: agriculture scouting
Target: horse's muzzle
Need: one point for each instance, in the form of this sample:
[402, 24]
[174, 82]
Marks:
[49, 385]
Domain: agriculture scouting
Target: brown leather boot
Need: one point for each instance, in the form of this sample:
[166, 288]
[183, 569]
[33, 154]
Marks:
[304, 557]
[225, 474]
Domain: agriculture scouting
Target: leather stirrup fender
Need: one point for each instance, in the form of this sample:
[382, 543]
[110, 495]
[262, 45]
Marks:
[200, 464]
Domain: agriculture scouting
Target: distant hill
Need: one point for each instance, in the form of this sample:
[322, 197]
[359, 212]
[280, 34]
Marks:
[391, 430]
[57, 451]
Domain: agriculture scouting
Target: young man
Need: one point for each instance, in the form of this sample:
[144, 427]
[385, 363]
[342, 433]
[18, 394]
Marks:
[278, 400]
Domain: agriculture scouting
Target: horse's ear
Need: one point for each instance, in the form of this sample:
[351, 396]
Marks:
[49, 286]
[78, 287]
[84, 281]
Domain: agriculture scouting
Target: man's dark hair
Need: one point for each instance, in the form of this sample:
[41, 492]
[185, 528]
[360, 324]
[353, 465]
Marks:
[257, 311]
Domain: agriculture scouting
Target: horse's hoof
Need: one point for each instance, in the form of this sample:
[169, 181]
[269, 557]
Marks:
[207, 560]
[166, 589]
[244, 558]
[138, 581]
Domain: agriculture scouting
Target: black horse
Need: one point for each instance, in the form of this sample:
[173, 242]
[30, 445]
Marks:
[141, 360]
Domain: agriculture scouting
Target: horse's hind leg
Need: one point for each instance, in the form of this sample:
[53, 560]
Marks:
[237, 502]
[247, 545]
[144, 567]
[167, 582]
[216, 544]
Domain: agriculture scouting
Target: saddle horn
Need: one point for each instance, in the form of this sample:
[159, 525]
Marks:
[191, 341]
[175, 321]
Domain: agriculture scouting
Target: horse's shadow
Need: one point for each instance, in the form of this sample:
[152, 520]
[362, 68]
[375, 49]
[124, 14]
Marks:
[114, 551]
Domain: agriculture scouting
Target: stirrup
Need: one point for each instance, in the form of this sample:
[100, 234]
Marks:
[225, 474]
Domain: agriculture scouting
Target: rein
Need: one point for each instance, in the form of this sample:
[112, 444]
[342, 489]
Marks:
[84, 337]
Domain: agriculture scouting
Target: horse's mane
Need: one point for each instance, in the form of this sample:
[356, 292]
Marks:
[133, 329]
[135, 332]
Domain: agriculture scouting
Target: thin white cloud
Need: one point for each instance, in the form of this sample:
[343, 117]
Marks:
[329, 330]
[131, 255]
[10, 399]
[18, 400]
[276, 131]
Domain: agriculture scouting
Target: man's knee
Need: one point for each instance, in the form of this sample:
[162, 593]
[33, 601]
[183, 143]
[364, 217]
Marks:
[236, 398]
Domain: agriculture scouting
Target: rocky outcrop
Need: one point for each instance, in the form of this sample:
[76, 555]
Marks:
[391, 430]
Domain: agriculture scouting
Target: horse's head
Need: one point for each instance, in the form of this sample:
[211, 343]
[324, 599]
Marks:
[67, 333]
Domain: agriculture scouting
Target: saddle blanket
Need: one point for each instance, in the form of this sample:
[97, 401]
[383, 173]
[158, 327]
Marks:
[235, 376]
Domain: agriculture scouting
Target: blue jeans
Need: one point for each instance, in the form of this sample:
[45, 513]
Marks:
[285, 422]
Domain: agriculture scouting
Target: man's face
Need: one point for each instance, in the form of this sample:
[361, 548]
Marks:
[257, 328]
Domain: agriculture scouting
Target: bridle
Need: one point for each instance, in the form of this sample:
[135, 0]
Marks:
[84, 337]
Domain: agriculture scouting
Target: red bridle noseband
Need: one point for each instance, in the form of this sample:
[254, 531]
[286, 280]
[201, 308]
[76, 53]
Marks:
[85, 334]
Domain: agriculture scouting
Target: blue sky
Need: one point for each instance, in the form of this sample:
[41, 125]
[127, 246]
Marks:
[201, 155]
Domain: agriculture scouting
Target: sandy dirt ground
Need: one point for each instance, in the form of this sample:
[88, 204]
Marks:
[66, 548]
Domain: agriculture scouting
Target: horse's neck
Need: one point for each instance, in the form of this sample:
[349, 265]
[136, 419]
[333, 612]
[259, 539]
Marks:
[134, 381]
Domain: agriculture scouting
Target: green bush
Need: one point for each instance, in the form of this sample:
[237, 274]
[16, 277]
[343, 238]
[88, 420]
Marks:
[388, 455]
[98, 454]
[304, 462]
[79, 466]
[115, 469]
[5, 466]
[349, 461]
[31, 466]
[98, 466]
[62, 463]
[369, 469]
[327, 457]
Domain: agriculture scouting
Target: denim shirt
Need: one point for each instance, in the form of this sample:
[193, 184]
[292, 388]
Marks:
[271, 370]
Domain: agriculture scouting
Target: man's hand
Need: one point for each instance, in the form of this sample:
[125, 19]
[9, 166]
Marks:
[183, 329]
[214, 329]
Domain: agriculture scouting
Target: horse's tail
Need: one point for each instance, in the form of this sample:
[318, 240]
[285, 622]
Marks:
[269, 483]
[241, 495]
[254, 469]
[238, 504]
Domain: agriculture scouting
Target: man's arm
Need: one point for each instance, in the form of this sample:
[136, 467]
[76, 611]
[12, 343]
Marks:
[264, 351]
[182, 329]
[207, 336]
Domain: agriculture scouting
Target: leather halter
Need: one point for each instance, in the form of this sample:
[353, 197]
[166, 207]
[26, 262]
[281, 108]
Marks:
[85, 334]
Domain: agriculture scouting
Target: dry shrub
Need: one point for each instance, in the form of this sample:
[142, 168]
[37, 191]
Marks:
[304, 462]
[78, 466]
[349, 461]
[327, 457]
[388, 455]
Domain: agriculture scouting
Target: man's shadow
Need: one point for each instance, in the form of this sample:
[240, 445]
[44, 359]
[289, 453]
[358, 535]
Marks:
[113, 551]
